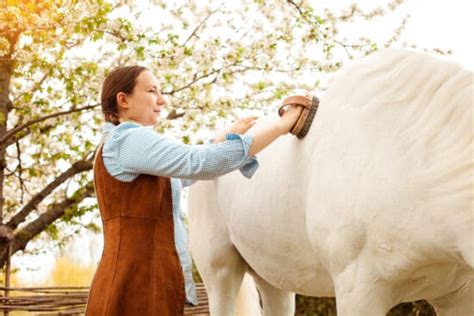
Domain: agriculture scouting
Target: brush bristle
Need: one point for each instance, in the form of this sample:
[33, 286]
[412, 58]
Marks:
[310, 118]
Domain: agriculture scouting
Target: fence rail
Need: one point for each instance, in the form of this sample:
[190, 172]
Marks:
[49, 301]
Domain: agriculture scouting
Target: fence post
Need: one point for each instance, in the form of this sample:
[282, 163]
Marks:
[7, 274]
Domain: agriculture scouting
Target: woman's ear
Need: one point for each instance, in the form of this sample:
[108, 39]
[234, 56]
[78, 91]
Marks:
[122, 100]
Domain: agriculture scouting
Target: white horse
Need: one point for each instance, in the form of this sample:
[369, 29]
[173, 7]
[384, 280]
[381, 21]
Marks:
[374, 206]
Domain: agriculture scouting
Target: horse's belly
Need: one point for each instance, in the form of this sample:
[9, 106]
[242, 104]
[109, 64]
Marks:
[266, 221]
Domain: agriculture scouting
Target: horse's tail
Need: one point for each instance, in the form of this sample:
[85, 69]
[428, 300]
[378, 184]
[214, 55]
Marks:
[248, 301]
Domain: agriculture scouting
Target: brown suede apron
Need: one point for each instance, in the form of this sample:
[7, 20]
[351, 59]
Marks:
[139, 273]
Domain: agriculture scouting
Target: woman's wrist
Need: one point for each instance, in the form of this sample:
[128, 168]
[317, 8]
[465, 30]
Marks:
[281, 127]
[220, 137]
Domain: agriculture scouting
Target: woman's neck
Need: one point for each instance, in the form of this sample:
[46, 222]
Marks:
[123, 120]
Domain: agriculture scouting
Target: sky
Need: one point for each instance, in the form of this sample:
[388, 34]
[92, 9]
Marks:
[446, 24]
[441, 24]
[433, 24]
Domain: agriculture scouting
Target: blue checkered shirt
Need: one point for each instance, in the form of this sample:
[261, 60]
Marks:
[131, 149]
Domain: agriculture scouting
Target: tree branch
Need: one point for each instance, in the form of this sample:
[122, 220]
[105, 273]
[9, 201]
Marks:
[195, 79]
[216, 73]
[194, 32]
[302, 14]
[15, 138]
[55, 211]
[77, 167]
[21, 127]
[397, 32]
[297, 7]
[36, 86]
[20, 171]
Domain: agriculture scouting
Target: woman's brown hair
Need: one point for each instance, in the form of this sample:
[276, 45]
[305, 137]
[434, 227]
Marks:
[121, 79]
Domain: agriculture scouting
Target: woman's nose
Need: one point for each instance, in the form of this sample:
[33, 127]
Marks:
[161, 100]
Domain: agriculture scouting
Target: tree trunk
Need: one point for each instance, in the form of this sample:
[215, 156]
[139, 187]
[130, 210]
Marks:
[6, 68]
[5, 74]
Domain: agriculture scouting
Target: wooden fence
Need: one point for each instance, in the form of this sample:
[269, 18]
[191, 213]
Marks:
[68, 301]
[63, 300]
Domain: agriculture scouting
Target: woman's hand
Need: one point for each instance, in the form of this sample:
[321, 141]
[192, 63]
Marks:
[240, 126]
[289, 118]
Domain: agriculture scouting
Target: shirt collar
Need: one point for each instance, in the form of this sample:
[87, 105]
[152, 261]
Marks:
[109, 127]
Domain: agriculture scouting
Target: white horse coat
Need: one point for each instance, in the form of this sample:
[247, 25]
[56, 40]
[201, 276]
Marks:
[374, 205]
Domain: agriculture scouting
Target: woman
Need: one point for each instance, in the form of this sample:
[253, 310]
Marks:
[145, 267]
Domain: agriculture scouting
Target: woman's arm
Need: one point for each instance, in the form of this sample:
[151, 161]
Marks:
[266, 135]
[135, 149]
[140, 150]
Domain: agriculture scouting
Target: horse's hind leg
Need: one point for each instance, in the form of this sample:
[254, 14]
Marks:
[459, 303]
[274, 300]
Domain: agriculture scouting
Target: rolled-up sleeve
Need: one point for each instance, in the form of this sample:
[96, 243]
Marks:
[142, 150]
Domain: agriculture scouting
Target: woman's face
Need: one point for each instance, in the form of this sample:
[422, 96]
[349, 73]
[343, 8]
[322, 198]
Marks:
[145, 103]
